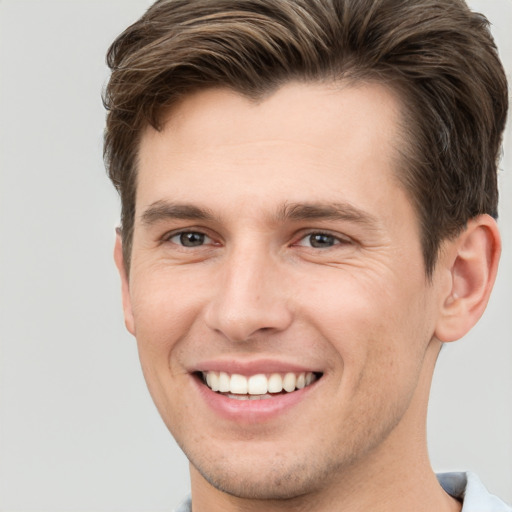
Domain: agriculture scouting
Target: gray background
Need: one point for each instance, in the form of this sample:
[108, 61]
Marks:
[78, 431]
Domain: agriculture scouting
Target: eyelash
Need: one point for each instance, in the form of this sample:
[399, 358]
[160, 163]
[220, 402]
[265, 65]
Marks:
[182, 234]
[336, 240]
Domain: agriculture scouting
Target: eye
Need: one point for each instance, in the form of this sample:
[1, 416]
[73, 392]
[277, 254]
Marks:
[190, 239]
[320, 240]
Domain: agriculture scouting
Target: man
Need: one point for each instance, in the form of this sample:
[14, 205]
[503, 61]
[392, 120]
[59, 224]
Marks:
[308, 213]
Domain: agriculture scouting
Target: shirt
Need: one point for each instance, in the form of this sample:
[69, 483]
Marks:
[474, 496]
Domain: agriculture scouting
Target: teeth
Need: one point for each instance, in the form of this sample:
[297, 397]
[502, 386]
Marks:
[224, 382]
[212, 379]
[256, 386]
[275, 383]
[249, 397]
[238, 384]
[289, 382]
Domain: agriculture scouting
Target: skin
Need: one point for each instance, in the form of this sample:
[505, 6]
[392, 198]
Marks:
[358, 309]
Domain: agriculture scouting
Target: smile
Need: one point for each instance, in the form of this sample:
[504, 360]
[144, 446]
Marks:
[257, 387]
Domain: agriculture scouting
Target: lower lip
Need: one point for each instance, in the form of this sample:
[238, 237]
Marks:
[251, 411]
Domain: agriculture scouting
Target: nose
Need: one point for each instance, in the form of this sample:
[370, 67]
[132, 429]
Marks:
[249, 297]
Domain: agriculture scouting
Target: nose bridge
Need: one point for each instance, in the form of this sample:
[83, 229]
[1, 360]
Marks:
[249, 297]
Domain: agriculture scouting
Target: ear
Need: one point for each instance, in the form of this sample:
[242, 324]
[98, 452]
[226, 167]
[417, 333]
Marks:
[125, 284]
[472, 262]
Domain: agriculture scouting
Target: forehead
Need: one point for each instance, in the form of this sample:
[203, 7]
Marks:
[315, 142]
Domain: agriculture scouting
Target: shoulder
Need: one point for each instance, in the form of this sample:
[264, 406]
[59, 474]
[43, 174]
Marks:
[468, 488]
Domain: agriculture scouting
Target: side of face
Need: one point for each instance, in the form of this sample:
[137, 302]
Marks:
[273, 238]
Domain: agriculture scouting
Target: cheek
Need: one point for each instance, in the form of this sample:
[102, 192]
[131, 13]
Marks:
[164, 310]
[375, 321]
[164, 316]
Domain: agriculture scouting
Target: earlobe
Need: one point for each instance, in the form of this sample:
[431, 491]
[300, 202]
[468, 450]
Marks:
[125, 285]
[472, 260]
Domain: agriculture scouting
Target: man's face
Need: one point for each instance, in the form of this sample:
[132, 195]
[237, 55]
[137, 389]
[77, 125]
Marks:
[273, 238]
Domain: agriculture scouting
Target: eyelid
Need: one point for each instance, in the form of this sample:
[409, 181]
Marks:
[177, 232]
[340, 239]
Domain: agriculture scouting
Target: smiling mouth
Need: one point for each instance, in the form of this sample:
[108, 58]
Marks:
[257, 387]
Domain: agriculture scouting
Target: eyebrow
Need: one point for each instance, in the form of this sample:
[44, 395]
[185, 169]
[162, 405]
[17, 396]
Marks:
[329, 211]
[162, 210]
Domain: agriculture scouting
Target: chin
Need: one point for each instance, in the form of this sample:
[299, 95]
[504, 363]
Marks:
[264, 478]
[276, 484]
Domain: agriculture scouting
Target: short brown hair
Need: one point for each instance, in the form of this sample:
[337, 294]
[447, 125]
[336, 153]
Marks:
[436, 54]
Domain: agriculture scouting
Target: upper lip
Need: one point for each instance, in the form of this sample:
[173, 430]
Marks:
[252, 367]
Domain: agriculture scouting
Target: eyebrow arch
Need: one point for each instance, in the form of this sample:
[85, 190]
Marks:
[161, 210]
[329, 211]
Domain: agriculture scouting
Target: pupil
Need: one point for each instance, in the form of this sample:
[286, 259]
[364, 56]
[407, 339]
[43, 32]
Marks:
[320, 240]
[191, 239]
